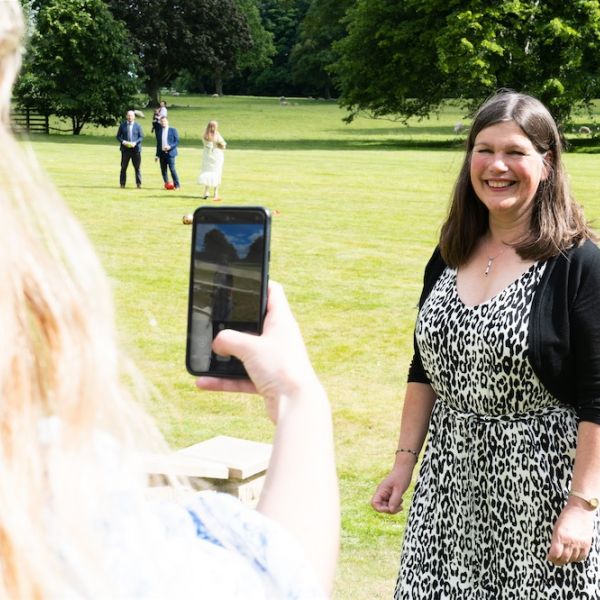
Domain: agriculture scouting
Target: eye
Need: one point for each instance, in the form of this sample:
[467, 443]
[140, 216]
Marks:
[517, 153]
[483, 151]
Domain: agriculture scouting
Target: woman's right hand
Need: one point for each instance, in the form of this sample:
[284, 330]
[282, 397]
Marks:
[300, 490]
[388, 495]
[276, 361]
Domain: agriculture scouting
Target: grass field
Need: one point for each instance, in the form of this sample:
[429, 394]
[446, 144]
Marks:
[360, 207]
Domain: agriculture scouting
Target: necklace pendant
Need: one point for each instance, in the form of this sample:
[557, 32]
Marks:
[489, 266]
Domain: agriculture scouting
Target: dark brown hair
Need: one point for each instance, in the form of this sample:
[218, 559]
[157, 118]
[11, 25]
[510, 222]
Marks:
[557, 221]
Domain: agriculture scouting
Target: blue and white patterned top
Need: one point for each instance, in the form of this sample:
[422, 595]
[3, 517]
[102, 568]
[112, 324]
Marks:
[213, 547]
[209, 546]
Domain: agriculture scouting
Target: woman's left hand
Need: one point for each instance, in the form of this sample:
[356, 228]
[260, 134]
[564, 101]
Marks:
[572, 535]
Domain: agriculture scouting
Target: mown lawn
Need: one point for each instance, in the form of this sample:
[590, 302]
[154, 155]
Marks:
[360, 207]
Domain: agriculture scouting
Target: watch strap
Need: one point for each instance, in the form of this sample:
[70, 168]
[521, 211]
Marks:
[593, 503]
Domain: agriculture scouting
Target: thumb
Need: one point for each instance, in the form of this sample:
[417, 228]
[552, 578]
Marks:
[395, 501]
[556, 550]
[230, 342]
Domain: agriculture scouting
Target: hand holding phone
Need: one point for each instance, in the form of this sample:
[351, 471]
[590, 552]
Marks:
[229, 273]
[303, 446]
[276, 361]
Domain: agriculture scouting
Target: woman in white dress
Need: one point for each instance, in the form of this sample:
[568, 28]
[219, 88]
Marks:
[212, 159]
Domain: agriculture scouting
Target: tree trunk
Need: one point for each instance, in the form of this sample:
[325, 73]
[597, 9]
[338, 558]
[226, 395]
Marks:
[219, 82]
[153, 90]
[77, 124]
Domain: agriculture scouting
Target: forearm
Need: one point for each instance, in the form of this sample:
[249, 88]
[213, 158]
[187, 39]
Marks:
[573, 532]
[301, 489]
[586, 472]
[416, 412]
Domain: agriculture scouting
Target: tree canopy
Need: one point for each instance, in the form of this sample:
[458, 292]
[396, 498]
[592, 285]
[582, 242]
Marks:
[79, 65]
[404, 58]
[313, 53]
[263, 48]
[203, 35]
[282, 19]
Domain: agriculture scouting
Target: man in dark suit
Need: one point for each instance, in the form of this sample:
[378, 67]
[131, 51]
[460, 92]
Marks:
[166, 151]
[130, 136]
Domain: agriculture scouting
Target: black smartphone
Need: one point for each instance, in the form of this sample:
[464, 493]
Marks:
[229, 273]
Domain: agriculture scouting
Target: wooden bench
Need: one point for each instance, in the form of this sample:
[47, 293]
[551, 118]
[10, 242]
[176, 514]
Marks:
[222, 463]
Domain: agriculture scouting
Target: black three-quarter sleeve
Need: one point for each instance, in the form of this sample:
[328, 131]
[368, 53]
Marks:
[434, 268]
[564, 330]
[416, 371]
[585, 339]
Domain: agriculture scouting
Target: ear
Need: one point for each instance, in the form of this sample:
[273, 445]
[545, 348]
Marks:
[548, 160]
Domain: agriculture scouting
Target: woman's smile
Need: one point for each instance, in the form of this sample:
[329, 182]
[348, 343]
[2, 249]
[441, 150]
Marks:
[499, 184]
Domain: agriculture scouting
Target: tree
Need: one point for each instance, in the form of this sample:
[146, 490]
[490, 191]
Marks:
[79, 65]
[198, 35]
[405, 58]
[263, 48]
[282, 18]
[258, 57]
[313, 53]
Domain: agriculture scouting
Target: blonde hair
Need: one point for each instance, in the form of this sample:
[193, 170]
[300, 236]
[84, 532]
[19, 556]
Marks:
[211, 134]
[60, 374]
[212, 129]
[11, 34]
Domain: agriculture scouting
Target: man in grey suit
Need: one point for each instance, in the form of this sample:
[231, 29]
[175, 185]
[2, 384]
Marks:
[130, 136]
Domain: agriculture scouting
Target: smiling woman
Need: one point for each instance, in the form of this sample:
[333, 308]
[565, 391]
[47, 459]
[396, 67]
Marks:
[506, 170]
[505, 378]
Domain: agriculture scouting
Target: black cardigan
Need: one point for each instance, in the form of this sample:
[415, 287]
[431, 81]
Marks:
[564, 328]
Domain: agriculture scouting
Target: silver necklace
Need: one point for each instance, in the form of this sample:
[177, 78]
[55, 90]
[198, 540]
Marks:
[491, 259]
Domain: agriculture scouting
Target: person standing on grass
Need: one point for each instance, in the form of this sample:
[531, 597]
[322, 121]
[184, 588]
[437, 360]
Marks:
[212, 159]
[159, 111]
[505, 380]
[162, 109]
[78, 518]
[130, 136]
[167, 151]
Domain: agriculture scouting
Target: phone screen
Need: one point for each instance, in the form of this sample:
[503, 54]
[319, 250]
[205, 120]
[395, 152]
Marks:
[228, 283]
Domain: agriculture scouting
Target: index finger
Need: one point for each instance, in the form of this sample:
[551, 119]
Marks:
[276, 299]
[218, 384]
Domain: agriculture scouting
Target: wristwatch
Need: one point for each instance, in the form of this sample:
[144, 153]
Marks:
[593, 503]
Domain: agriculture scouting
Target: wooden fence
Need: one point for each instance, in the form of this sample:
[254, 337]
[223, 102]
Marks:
[30, 121]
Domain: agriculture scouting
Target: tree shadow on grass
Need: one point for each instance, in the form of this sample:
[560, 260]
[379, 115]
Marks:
[344, 145]
[371, 141]
[302, 144]
[583, 146]
[403, 131]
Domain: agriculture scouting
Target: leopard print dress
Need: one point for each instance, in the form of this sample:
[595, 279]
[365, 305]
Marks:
[497, 468]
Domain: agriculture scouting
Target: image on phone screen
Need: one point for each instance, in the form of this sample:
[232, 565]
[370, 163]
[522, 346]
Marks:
[228, 281]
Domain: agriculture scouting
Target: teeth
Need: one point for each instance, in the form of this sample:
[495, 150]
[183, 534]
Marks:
[499, 184]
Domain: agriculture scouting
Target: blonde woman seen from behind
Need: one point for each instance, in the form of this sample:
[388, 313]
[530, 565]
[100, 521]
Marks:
[75, 518]
[212, 159]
